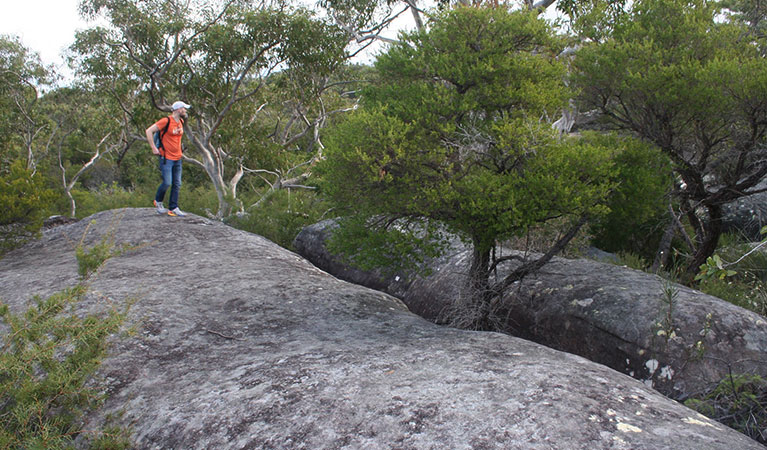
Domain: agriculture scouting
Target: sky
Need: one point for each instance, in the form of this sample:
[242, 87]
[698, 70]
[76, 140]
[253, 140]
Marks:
[44, 26]
[48, 28]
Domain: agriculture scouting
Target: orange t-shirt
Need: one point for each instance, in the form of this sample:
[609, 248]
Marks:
[171, 140]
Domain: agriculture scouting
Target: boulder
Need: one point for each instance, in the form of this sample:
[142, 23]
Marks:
[747, 215]
[612, 315]
[242, 344]
[55, 221]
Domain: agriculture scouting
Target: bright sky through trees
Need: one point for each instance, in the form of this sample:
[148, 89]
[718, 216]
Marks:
[44, 26]
[48, 27]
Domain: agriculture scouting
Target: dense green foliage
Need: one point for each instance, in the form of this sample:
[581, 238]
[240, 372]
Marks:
[696, 89]
[46, 360]
[738, 273]
[451, 136]
[639, 203]
[282, 216]
[24, 202]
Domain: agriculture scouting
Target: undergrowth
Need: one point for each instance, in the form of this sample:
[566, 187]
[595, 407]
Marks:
[746, 287]
[740, 402]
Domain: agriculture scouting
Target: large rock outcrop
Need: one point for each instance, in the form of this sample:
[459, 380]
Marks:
[242, 344]
[609, 314]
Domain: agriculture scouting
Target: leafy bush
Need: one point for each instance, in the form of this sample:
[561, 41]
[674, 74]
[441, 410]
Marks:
[631, 260]
[745, 291]
[737, 273]
[740, 402]
[24, 204]
[638, 204]
[201, 200]
[198, 200]
[282, 216]
[46, 360]
[108, 197]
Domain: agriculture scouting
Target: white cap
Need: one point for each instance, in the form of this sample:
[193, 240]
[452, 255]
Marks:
[179, 105]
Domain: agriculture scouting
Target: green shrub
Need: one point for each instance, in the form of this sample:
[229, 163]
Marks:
[740, 402]
[24, 204]
[631, 260]
[282, 216]
[746, 291]
[638, 205]
[46, 360]
[109, 197]
[737, 274]
[201, 200]
[196, 200]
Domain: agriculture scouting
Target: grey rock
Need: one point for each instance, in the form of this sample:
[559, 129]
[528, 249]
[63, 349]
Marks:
[55, 221]
[242, 344]
[311, 241]
[747, 215]
[609, 314]
[601, 255]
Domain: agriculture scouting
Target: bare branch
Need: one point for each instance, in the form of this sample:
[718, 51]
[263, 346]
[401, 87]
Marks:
[527, 268]
[542, 5]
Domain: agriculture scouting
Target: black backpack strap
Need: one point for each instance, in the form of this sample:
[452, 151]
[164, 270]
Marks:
[162, 133]
[165, 130]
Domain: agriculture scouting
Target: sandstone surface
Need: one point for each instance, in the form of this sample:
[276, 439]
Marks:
[613, 315]
[242, 344]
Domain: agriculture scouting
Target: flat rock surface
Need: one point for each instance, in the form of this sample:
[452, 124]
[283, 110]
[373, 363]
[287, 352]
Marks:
[242, 344]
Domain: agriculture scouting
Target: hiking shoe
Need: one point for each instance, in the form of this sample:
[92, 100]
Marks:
[176, 212]
[160, 209]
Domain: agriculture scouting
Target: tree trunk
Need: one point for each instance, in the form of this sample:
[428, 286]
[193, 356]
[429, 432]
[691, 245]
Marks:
[213, 164]
[664, 248]
[479, 284]
[72, 203]
[708, 238]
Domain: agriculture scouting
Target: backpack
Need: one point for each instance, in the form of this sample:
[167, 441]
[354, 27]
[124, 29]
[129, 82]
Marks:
[160, 133]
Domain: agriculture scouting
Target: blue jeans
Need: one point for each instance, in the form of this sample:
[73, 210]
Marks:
[171, 178]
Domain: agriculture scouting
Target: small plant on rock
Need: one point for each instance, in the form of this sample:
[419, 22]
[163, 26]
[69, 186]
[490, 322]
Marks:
[48, 356]
[46, 360]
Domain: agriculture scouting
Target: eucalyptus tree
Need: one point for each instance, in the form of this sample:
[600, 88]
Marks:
[218, 56]
[369, 21]
[695, 86]
[25, 135]
[88, 131]
[22, 77]
[454, 138]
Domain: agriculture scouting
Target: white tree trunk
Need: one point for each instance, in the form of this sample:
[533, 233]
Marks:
[68, 186]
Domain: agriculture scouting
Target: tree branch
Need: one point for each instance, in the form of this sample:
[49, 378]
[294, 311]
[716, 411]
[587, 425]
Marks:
[525, 269]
